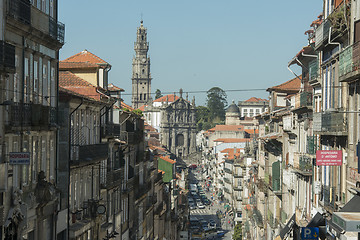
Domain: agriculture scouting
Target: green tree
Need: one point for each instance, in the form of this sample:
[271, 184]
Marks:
[158, 94]
[203, 118]
[216, 103]
[237, 232]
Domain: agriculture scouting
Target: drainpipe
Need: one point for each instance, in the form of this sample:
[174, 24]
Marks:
[333, 43]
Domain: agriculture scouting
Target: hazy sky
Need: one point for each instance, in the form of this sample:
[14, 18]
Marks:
[194, 44]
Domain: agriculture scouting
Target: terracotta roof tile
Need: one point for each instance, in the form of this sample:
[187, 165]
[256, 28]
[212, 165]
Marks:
[255, 99]
[251, 131]
[72, 65]
[70, 81]
[142, 108]
[124, 105]
[85, 56]
[292, 85]
[229, 128]
[170, 97]
[112, 87]
[167, 159]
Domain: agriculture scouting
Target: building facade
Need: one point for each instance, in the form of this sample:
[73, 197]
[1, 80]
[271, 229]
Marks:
[30, 39]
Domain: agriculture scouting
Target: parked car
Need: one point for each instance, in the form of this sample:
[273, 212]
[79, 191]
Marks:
[220, 233]
[200, 205]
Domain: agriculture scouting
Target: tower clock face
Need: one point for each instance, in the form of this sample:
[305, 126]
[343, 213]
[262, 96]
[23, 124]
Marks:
[143, 60]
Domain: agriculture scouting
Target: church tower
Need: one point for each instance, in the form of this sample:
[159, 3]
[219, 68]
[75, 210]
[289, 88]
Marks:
[141, 77]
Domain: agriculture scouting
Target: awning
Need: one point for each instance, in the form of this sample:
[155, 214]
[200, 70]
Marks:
[319, 221]
[334, 230]
[288, 227]
[348, 218]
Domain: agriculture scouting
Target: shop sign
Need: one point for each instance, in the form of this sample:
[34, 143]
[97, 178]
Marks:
[328, 158]
[19, 158]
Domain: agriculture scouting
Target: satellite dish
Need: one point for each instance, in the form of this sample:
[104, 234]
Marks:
[306, 124]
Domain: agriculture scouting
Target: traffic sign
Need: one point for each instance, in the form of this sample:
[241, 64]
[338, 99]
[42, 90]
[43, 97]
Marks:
[311, 233]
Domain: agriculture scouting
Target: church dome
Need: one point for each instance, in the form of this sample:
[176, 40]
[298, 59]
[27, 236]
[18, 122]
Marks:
[233, 108]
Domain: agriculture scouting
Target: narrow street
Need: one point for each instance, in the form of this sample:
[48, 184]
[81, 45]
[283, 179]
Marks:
[209, 213]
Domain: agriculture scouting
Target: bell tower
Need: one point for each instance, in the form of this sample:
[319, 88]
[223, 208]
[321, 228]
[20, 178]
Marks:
[141, 77]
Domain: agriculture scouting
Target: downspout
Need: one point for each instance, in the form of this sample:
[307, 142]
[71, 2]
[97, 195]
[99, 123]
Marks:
[69, 146]
[333, 43]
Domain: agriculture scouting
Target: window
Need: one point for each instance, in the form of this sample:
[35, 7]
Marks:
[140, 96]
[144, 96]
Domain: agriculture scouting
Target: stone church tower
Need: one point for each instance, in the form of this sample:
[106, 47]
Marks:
[141, 77]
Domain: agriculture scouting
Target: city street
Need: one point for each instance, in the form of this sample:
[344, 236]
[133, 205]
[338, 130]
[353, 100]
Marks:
[209, 212]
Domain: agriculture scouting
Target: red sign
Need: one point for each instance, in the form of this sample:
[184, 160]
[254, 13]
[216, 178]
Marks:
[328, 158]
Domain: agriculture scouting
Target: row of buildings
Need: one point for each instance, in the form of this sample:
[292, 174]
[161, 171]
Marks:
[306, 169]
[300, 169]
[227, 150]
[75, 161]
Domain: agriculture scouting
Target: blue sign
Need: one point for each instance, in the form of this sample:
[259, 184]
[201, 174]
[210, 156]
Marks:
[310, 233]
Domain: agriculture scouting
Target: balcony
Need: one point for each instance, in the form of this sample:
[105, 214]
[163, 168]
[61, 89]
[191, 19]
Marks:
[20, 10]
[227, 170]
[331, 123]
[89, 153]
[238, 188]
[322, 34]
[349, 63]
[311, 145]
[132, 137]
[31, 115]
[7, 56]
[314, 77]
[303, 164]
[113, 178]
[237, 174]
[227, 190]
[159, 208]
[303, 100]
[227, 180]
[110, 130]
[57, 30]
[142, 190]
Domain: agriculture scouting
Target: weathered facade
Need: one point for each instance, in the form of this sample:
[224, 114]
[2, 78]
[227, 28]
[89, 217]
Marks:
[30, 39]
[178, 127]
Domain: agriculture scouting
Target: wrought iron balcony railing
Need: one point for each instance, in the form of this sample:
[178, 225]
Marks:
[89, 153]
[349, 62]
[110, 130]
[31, 115]
[57, 30]
[332, 123]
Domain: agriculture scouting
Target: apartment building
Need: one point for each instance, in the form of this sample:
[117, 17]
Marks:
[30, 39]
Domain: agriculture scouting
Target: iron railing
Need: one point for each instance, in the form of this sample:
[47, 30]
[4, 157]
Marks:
[56, 30]
[349, 59]
[110, 130]
[311, 146]
[88, 153]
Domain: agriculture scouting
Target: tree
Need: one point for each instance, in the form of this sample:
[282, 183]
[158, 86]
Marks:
[203, 118]
[237, 232]
[216, 103]
[158, 94]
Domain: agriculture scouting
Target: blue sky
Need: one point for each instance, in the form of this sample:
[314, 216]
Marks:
[194, 45]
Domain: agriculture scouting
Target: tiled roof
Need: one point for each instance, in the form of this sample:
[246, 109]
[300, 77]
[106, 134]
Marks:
[124, 105]
[149, 127]
[112, 87]
[231, 154]
[232, 140]
[167, 159]
[85, 56]
[229, 128]
[251, 131]
[255, 99]
[170, 97]
[292, 85]
[70, 81]
[67, 78]
[72, 65]
[142, 108]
